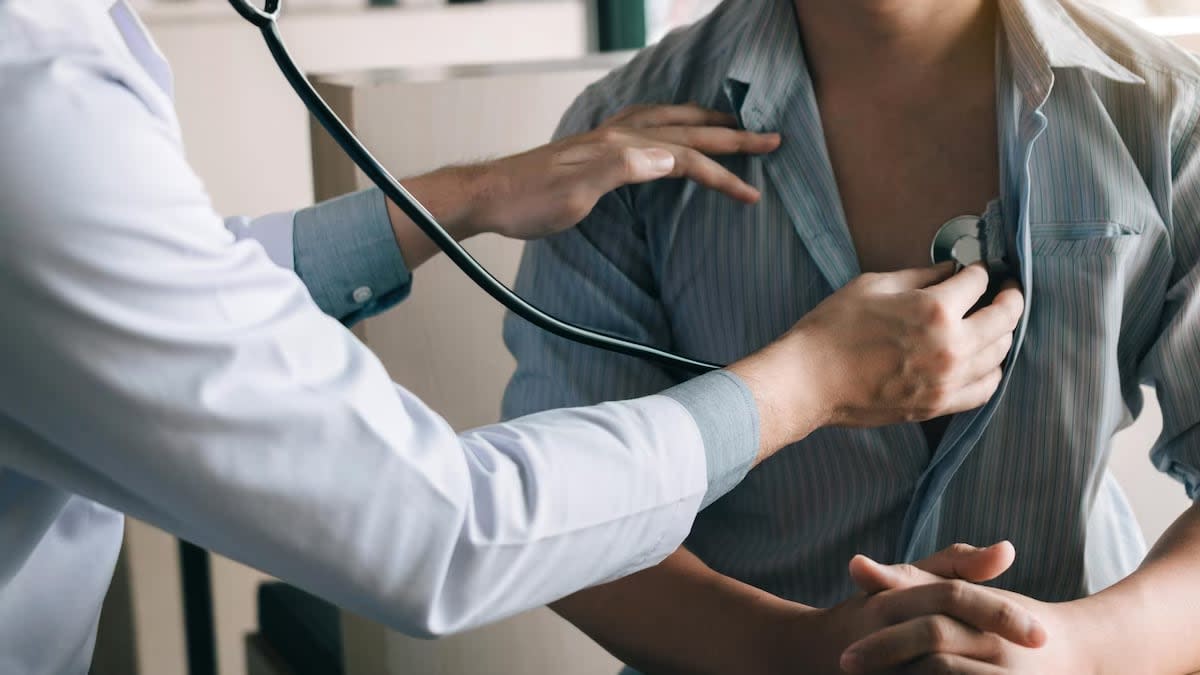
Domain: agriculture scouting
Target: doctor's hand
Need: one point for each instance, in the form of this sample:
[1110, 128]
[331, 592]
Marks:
[886, 348]
[552, 188]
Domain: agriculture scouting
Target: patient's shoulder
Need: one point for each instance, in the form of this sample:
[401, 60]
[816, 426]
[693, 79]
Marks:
[1149, 56]
[687, 65]
[1168, 101]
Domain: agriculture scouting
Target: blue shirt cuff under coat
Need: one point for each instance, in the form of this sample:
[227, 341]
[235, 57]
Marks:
[724, 409]
[346, 253]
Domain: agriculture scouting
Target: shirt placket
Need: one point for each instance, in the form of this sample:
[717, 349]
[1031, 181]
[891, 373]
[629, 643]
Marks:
[1021, 124]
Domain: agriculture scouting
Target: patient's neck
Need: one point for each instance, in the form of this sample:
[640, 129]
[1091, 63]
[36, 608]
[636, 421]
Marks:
[904, 44]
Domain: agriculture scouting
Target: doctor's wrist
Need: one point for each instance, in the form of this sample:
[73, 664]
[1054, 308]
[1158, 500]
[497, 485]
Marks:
[787, 393]
[451, 196]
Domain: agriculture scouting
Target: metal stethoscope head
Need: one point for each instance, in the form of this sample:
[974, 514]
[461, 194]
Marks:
[959, 241]
[265, 19]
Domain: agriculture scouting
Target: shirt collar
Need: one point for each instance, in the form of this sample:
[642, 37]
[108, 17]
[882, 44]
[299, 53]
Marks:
[1041, 36]
[768, 62]
[1045, 30]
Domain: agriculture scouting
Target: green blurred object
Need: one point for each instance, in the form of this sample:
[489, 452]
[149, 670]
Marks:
[621, 24]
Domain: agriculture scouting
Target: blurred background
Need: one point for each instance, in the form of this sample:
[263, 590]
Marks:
[251, 143]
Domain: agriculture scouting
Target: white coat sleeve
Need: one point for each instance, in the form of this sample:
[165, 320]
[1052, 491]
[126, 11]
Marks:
[164, 368]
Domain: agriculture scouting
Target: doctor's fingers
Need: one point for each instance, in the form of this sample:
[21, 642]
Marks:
[688, 114]
[958, 294]
[984, 360]
[997, 318]
[913, 279]
[689, 164]
[971, 395]
[713, 140]
[915, 639]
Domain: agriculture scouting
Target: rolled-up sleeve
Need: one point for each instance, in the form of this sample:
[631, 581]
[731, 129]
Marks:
[1173, 364]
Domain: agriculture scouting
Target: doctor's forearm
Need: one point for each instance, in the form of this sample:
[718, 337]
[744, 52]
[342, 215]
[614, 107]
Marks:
[1147, 623]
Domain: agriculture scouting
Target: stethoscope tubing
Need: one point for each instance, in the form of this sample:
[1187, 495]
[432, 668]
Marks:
[265, 20]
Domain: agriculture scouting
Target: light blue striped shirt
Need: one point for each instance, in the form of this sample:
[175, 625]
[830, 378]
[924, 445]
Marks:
[1099, 207]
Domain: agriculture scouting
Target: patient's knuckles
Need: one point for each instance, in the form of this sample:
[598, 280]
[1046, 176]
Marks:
[908, 573]
[937, 632]
[940, 664]
[993, 648]
[953, 594]
[1007, 617]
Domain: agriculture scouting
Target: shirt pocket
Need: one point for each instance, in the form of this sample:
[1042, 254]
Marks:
[1081, 239]
[1075, 312]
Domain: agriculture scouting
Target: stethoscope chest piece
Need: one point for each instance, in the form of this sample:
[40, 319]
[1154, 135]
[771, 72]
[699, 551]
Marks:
[958, 241]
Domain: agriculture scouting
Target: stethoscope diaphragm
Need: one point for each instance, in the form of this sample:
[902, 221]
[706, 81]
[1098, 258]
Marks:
[957, 240]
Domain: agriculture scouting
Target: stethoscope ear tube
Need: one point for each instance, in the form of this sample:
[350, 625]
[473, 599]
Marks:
[265, 21]
[256, 16]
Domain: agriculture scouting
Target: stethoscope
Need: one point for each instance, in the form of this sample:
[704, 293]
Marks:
[952, 242]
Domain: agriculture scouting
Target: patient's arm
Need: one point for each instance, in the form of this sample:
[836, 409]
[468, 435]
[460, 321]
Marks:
[1153, 622]
[1148, 623]
[1153, 612]
[683, 617]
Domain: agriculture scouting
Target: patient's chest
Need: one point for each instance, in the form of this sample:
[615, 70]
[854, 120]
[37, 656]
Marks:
[732, 278]
[905, 168]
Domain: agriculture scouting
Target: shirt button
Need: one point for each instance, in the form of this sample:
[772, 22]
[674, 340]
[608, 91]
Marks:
[362, 294]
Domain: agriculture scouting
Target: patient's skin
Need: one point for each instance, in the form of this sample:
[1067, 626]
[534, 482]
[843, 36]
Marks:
[907, 158]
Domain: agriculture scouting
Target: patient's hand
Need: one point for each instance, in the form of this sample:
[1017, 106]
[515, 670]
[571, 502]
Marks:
[922, 639]
[942, 584]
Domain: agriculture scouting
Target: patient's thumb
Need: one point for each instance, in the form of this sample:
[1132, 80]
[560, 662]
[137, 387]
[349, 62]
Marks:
[872, 577]
[984, 564]
[960, 561]
[963, 561]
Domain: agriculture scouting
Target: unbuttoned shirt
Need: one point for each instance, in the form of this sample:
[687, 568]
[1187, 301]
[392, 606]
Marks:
[159, 361]
[1098, 213]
